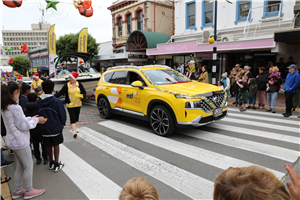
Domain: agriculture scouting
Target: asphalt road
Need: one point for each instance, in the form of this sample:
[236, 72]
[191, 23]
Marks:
[108, 153]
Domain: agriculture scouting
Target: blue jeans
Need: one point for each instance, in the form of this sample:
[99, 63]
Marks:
[272, 98]
[2, 156]
[252, 100]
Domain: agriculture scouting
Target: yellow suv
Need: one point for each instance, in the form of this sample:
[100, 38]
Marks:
[160, 95]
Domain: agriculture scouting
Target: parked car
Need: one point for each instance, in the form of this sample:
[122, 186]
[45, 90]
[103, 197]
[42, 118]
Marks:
[160, 95]
[27, 80]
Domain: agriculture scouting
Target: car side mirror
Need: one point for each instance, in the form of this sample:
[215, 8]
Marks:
[138, 84]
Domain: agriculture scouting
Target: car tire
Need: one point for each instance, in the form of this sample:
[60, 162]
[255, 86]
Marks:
[161, 121]
[104, 108]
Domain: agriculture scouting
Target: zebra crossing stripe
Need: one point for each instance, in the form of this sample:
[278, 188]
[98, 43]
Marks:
[260, 124]
[90, 181]
[263, 134]
[183, 181]
[291, 122]
[230, 109]
[261, 148]
[211, 158]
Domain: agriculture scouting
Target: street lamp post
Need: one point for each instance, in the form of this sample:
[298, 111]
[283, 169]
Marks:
[214, 67]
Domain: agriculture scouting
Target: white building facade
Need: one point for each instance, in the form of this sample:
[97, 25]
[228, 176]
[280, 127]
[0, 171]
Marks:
[246, 33]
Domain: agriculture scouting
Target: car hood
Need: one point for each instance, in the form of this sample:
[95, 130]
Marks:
[191, 88]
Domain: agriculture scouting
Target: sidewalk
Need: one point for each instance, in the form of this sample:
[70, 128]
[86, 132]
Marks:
[280, 105]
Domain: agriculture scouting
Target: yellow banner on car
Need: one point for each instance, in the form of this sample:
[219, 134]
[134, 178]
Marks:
[82, 40]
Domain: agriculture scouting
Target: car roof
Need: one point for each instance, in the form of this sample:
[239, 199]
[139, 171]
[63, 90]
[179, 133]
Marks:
[146, 67]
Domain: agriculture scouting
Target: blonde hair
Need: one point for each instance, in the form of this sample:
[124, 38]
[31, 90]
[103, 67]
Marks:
[246, 183]
[275, 69]
[245, 77]
[138, 189]
[247, 67]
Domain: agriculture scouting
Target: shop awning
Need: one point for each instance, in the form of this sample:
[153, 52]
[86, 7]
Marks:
[142, 40]
[289, 37]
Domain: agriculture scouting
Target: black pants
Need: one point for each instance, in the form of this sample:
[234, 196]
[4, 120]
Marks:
[74, 114]
[36, 141]
[289, 101]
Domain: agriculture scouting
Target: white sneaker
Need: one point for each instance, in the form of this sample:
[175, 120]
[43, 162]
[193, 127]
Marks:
[58, 166]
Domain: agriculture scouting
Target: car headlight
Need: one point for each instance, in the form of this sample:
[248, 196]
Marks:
[178, 96]
[225, 105]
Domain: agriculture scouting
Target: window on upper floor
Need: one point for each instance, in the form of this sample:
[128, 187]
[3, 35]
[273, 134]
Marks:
[190, 15]
[242, 12]
[140, 20]
[207, 13]
[129, 24]
[272, 8]
[120, 26]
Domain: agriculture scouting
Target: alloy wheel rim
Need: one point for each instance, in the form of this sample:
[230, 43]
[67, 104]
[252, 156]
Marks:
[103, 108]
[160, 121]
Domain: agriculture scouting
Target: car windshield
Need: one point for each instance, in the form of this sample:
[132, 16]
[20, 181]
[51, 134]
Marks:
[165, 76]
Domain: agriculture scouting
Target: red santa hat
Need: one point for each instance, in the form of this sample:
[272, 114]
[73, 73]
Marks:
[73, 75]
[20, 78]
[81, 62]
[36, 75]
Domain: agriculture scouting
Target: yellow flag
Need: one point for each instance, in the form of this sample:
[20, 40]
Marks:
[27, 74]
[52, 50]
[82, 40]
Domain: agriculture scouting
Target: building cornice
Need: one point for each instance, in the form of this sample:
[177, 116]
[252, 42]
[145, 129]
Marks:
[120, 5]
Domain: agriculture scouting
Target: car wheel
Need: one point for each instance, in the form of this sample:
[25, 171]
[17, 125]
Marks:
[104, 108]
[162, 121]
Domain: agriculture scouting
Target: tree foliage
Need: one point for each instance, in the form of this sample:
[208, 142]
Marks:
[69, 43]
[21, 64]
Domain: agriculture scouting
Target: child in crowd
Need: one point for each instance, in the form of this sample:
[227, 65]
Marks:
[53, 109]
[221, 85]
[139, 188]
[26, 89]
[275, 76]
[243, 92]
[246, 183]
[252, 93]
[236, 90]
[35, 134]
[17, 139]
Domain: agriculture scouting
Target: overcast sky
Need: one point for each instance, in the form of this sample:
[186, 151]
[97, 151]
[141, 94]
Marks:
[67, 18]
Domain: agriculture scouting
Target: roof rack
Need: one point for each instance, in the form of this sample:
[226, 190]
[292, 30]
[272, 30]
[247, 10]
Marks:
[136, 67]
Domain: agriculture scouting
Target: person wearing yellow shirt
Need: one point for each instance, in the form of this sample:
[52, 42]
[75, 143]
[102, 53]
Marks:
[36, 84]
[74, 92]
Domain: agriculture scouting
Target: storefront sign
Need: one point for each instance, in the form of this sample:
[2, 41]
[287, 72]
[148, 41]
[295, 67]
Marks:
[191, 47]
[204, 55]
[137, 56]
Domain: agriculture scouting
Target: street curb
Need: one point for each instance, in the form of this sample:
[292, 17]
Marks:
[5, 191]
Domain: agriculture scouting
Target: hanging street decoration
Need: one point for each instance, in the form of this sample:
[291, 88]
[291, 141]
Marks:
[52, 4]
[84, 7]
[23, 49]
[11, 61]
[12, 4]
[8, 49]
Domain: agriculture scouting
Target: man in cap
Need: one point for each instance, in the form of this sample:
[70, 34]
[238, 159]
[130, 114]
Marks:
[290, 87]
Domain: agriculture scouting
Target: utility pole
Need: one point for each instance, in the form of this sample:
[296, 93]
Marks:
[214, 67]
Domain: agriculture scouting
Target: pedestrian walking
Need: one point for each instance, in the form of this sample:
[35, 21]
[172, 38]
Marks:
[243, 92]
[290, 87]
[53, 109]
[262, 80]
[204, 75]
[17, 127]
[273, 86]
[36, 134]
[74, 92]
[252, 93]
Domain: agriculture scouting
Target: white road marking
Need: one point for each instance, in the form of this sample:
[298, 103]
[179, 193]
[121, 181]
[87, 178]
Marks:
[261, 113]
[263, 134]
[271, 120]
[90, 181]
[183, 181]
[211, 158]
[261, 148]
[259, 124]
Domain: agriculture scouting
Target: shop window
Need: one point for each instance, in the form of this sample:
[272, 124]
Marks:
[207, 13]
[242, 11]
[120, 27]
[129, 24]
[272, 9]
[140, 20]
[191, 15]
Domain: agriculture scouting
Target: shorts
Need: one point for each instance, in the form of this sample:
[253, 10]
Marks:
[74, 114]
[244, 96]
[53, 141]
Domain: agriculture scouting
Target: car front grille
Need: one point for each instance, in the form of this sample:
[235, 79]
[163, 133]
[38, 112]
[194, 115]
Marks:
[216, 100]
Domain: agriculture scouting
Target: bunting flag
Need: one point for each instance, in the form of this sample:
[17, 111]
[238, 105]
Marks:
[27, 74]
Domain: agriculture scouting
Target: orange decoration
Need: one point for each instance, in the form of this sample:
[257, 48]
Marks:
[12, 4]
[87, 4]
[84, 7]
